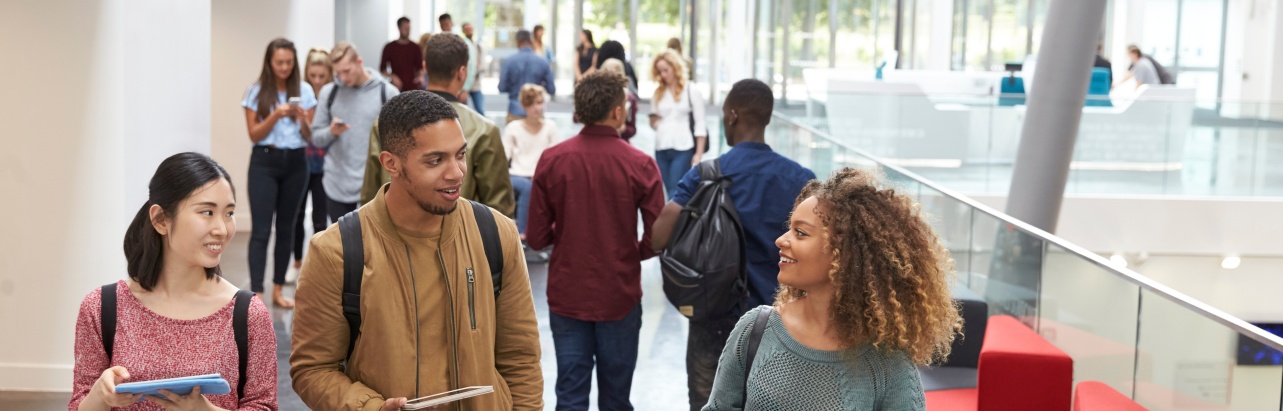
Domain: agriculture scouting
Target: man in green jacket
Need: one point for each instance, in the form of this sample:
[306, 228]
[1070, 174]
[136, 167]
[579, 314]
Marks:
[487, 180]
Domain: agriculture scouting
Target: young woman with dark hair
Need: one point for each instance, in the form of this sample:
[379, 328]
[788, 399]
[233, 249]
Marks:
[278, 111]
[587, 52]
[174, 315]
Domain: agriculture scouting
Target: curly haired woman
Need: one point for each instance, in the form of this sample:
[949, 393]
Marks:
[863, 299]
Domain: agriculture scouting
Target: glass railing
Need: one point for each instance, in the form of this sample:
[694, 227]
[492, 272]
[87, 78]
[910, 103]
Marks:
[1148, 145]
[1162, 348]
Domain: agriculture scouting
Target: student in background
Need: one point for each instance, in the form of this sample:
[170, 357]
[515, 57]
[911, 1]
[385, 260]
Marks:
[402, 59]
[537, 40]
[318, 73]
[763, 186]
[524, 140]
[630, 126]
[677, 115]
[675, 44]
[174, 315]
[587, 53]
[475, 98]
[863, 301]
[278, 166]
[612, 49]
[587, 195]
[525, 67]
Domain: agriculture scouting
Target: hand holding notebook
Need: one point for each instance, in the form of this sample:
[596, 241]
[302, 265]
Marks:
[211, 384]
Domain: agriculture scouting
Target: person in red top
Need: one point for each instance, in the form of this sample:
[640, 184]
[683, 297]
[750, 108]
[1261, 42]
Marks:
[174, 315]
[585, 198]
[403, 59]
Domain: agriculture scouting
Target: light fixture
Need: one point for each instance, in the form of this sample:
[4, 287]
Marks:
[1118, 260]
[1231, 262]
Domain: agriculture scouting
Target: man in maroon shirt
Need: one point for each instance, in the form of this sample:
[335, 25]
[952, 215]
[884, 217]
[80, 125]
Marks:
[586, 195]
[402, 59]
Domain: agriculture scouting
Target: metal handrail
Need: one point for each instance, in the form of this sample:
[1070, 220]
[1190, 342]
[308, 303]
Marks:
[1235, 323]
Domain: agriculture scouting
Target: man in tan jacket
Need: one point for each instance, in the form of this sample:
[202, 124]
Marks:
[487, 180]
[430, 319]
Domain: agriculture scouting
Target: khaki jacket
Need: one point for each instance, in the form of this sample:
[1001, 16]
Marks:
[487, 179]
[502, 349]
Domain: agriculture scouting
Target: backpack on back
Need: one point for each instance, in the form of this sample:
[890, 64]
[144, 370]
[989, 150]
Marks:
[1164, 76]
[704, 263]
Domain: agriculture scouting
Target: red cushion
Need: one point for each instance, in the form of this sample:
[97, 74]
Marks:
[952, 400]
[1096, 396]
[1019, 370]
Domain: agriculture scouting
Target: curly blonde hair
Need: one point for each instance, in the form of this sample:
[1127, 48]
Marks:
[529, 93]
[890, 271]
[674, 61]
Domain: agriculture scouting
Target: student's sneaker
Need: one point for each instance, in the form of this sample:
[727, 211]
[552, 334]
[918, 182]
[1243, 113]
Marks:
[291, 276]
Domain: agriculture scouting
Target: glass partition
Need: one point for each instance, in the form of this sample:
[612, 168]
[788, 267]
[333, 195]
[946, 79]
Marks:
[1159, 347]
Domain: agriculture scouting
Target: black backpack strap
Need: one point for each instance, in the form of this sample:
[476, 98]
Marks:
[107, 317]
[490, 240]
[353, 267]
[329, 102]
[240, 328]
[710, 170]
[383, 94]
[754, 339]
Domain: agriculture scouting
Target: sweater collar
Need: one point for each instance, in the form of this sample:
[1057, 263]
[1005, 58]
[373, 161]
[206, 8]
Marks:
[599, 131]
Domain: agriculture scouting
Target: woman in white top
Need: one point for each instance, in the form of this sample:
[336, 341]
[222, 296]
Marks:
[524, 141]
[677, 115]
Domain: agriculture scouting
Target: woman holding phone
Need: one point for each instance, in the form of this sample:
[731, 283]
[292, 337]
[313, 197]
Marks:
[174, 315]
[677, 115]
[278, 111]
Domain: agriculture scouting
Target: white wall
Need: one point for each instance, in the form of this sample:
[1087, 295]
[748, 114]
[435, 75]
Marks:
[93, 105]
[241, 30]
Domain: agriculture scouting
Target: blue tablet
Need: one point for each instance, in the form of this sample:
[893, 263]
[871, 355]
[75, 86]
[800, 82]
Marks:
[212, 384]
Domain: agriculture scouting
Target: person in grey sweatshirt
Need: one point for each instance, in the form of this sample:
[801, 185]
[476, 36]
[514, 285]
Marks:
[348, 109]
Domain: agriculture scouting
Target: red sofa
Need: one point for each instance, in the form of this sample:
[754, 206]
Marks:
[1096, 396]
[1018, 371]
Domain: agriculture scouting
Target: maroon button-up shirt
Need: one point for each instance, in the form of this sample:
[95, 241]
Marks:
[586, 195]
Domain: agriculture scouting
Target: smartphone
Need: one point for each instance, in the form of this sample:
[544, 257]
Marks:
[296, 101]
[447, 397]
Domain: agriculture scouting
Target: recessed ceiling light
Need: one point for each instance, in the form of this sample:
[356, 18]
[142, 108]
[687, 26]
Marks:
[1118, 260]
[1231, 262]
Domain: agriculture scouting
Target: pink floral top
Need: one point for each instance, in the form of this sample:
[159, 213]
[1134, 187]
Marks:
[154, 347]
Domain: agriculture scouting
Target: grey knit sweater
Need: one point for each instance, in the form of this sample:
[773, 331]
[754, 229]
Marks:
[789, 376]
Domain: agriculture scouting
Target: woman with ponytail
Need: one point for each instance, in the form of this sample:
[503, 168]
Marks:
[174, 316]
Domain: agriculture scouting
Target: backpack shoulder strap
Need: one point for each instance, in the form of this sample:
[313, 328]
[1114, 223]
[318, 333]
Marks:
[755, 339]
[107, 317]
[383, 94]
[353, 267]
[329, 102]
[240, 328]
[490, 241]
[710, 170]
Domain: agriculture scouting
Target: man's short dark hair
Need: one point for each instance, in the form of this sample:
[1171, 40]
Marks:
[752, 101]
[402, 20]
[443, 55]
[407, 112]
[523, 36]
[444, 17]
[597, 94]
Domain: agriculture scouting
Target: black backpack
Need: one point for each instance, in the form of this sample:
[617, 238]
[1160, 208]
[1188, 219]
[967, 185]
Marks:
[240, 329]
[704, 263]
[354, 263]
[1164, 76]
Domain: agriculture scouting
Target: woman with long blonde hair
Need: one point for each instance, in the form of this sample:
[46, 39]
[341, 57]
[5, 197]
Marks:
[863, 300]
[677, 115]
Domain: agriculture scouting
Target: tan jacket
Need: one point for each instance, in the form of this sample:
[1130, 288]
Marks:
[502, 350]
[487, 179]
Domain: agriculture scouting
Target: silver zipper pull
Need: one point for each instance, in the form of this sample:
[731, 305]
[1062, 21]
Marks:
[471, 278]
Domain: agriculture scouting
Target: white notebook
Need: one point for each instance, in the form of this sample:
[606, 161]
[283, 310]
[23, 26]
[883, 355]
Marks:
[447, 397]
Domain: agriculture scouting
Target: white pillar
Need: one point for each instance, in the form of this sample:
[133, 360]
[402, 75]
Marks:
[119, 86]
[941, 35]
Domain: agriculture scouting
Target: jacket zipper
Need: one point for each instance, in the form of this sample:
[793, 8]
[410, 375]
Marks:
[415, 289]
[454, 330]
[472, 311]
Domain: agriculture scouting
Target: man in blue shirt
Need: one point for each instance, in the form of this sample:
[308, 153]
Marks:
[764, 186]
[521, 69]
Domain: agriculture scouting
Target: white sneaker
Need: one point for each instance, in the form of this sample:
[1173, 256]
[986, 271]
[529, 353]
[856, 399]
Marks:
[291, 276]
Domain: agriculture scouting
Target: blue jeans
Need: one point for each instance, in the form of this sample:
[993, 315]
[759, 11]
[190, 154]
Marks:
[478, 101]
[521, 190]
[673, 165]
[613, 346]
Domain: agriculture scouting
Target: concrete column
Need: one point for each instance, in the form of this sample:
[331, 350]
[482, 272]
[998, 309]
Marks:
[1051, 122]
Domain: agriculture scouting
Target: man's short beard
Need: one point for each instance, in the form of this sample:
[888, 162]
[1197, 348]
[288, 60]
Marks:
[432, 209]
